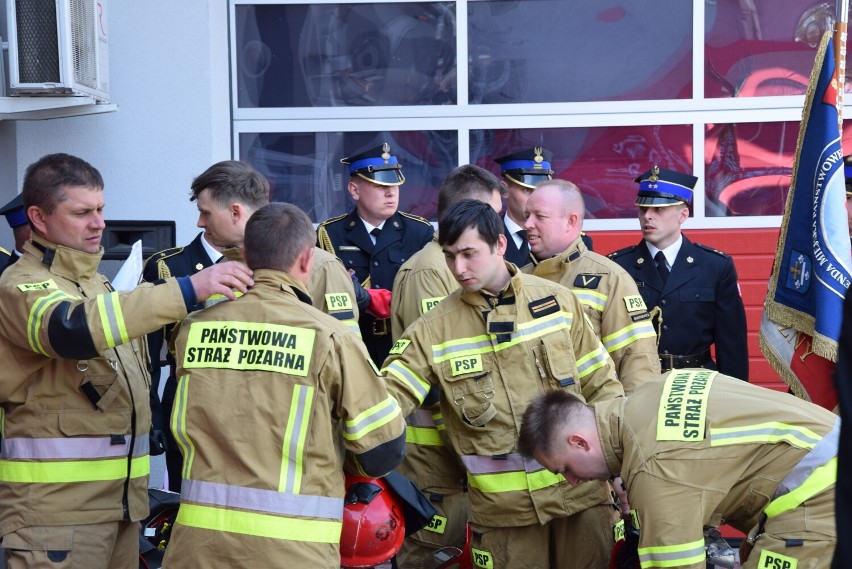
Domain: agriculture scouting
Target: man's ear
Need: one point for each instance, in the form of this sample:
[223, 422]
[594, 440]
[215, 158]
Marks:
[578, 441]
[306, 260]
[353, 190]
[37, 219]
[237, 211]
[500, 246]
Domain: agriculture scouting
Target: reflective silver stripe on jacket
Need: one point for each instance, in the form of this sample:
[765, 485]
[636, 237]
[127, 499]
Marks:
[269, 501]
[421, 418]
[71, 448]
[513, 462]
[484, 343]
[824, 450]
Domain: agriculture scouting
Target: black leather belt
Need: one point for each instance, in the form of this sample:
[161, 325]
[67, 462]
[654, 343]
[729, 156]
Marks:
[672, 361]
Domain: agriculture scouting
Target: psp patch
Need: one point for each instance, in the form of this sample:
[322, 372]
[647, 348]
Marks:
[438, 524]
[482, 558]
[635, 303]
[399, 347]
[584, 280]
[427, 304]
[770, 560]
[338, 301]
[49, 284]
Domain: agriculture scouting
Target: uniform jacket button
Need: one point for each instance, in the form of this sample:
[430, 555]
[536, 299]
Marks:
[663, 302]
[665, 327]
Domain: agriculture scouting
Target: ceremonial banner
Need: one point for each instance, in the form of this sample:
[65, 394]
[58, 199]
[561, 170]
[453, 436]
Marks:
[811, 273]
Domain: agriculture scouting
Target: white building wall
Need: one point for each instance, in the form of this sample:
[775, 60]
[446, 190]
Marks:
[169, 78]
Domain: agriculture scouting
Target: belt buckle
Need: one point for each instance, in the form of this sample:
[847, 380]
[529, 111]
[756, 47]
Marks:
[381, 330]
[666, 362]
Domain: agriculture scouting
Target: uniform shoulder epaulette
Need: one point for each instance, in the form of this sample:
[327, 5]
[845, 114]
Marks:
[415, 218]
[712, 250]
[159, 258]
[324, 240]
[333, 219]
[621, 252]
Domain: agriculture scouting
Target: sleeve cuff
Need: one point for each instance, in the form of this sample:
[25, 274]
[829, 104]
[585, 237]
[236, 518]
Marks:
[188, 292]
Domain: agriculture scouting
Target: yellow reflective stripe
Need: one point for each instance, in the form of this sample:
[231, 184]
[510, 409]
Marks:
[438, 417]
[672, 555]
[484, 343]
[186, 445]
[295, 434]
[56, 472]
[820, 479]
[771, 432]
[628, 335]
[112, 319]
[353, 325]
[592, 299]
[260, 525]
[592, 361]
[418, 386]
[423, 436]
[371, 419]
[36, 315]
[513, 481]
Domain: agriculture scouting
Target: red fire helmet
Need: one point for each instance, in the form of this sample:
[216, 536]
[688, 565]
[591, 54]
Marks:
[373, 526]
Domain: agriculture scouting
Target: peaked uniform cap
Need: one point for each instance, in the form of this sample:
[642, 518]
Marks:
[14, 212]
[659, 187]
[377, 165]
[527, 167]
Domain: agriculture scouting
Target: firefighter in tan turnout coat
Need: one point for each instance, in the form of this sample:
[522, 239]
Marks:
[74, 380]
[264, 384]
[490, 347]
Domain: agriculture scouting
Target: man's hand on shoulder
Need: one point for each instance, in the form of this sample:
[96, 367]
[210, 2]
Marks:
[222, 278]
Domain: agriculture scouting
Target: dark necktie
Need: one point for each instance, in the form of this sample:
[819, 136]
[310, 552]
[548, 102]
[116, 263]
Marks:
[661, 265]
[375, 233]
[525, 247]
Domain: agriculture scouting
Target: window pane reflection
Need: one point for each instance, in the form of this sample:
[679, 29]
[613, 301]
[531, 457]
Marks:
[304, 168]
[602, 161]
[749, 166]
[756, 49]
[539, 51]
[338, 55]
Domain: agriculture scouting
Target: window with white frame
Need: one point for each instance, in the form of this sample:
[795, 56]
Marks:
[711, 87]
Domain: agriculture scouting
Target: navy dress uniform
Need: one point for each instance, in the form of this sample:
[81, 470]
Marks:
[375, 266]
[698, 303]
[174, 262]
[524, 169]
[15, 217]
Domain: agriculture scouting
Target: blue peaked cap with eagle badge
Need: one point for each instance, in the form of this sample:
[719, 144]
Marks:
[527, 167]
[376, 165]
[659, 187]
